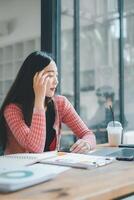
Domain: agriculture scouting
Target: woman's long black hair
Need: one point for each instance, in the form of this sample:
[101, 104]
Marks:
[21, 92]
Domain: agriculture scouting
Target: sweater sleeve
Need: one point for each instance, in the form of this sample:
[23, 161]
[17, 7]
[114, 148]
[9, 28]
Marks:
[31, 138]
[75, 123]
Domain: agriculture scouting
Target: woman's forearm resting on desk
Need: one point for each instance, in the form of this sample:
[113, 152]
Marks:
[87, 139]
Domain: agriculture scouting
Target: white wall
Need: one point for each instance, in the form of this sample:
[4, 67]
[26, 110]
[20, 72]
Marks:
[25, 18]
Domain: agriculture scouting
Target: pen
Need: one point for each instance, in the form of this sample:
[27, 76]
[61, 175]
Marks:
[126, 145]
[58, 142]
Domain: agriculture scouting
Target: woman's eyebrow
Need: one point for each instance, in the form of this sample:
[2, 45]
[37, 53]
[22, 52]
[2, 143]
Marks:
[52, 71]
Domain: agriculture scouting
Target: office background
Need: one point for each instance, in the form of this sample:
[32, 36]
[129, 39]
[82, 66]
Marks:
[93, 45]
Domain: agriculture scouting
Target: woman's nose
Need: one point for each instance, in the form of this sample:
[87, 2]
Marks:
[56, 81]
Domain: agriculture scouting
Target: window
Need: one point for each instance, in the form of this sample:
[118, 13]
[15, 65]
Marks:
[99, 35]
[17, 40]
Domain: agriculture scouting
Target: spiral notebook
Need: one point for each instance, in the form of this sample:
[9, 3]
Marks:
[23, 159]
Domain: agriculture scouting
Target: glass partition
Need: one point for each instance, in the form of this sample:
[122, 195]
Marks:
[67, 48]
[129, 62]
[99, 64]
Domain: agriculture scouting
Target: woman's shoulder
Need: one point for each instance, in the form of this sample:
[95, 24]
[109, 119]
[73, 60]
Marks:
[12, 112]
[62, 102]
[12, 107]
[60, 99]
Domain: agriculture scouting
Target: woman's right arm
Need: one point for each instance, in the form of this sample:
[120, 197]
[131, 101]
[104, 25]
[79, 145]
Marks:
[31, 138]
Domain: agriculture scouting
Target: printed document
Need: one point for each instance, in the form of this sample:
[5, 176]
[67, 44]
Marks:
[78, 160]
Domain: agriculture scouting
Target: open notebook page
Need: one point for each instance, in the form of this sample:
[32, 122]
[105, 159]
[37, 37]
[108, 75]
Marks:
[23, 159]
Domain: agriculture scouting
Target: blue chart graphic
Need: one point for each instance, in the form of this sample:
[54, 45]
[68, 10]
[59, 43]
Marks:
[18, 174]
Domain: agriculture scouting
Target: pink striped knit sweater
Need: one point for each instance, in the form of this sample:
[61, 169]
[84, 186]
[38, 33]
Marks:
[22, 138]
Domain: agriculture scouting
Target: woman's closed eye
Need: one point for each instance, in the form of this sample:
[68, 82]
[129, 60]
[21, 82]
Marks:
[53, 76]
[50, 76]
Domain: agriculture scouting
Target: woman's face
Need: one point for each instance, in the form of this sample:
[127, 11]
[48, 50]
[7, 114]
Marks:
[52, 83]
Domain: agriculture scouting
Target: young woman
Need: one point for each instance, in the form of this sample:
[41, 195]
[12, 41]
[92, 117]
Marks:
[31, 115]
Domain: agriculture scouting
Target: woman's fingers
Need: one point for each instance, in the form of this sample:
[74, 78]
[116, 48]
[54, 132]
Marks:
[35, 77]
[40, 81]
[81, 146]
[41, 73]
[76, 146]
[41, 78]
[44, 79]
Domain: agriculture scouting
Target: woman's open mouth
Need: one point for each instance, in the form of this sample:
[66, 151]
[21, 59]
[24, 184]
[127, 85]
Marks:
[52, 89]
